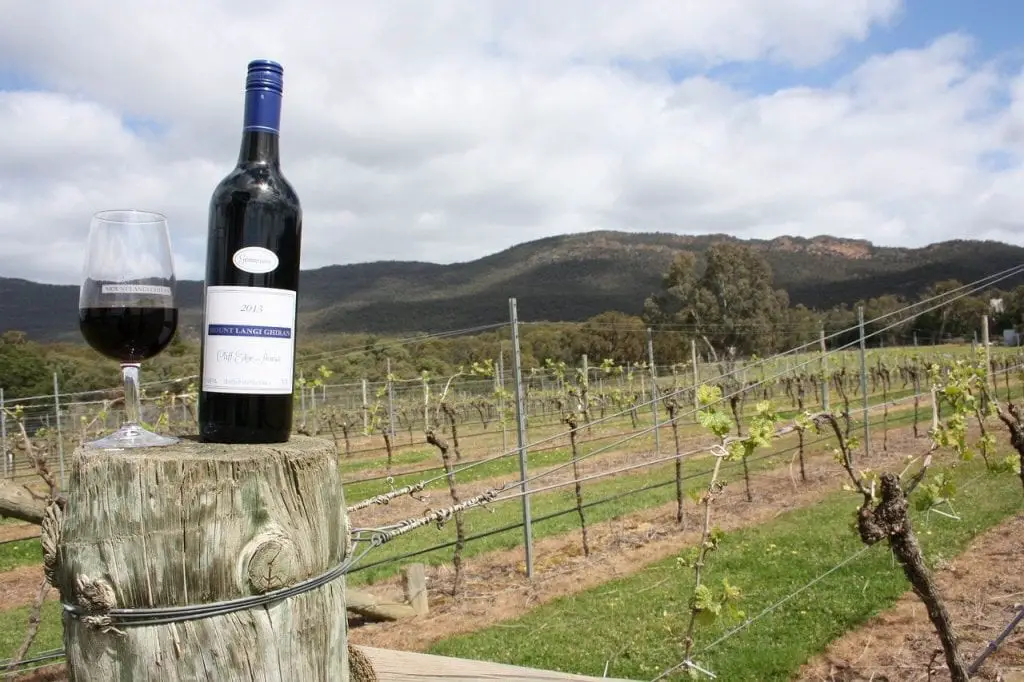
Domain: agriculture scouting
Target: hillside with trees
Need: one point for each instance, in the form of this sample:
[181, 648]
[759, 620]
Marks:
[725, 298]
[567, 278]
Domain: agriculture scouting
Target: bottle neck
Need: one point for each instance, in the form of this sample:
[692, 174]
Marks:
[260, 128]
[259, 147]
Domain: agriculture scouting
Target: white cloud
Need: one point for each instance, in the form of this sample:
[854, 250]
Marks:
[447, 130]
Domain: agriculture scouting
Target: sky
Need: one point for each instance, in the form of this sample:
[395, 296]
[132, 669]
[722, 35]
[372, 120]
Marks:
[447, 130]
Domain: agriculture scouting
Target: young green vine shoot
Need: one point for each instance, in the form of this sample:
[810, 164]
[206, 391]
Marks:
[707, 604]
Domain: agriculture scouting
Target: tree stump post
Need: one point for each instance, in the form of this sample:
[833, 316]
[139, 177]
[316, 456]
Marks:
[414, 580]
[193, 524]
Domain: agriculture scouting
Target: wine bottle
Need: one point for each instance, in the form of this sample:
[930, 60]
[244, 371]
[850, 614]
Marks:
[247, 363]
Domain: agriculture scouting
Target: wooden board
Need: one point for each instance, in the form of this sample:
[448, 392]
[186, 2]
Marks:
[405, 666]
[18, 503]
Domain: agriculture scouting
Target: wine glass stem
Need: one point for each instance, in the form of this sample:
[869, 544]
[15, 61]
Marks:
[132, 399]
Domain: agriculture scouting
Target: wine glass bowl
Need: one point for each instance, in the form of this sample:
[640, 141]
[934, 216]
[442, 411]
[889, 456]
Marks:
[126, 306]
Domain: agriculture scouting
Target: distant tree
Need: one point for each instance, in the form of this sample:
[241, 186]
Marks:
[1012, 316]
[960, 317]
[540, 341]
[14, 338]
[892, 327]
[677, 303]
[23, 367]
[730, 306]
[802, 326]
[614, 335]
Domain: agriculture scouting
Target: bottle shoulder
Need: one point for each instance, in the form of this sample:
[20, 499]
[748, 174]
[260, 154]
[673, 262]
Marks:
[258, 183]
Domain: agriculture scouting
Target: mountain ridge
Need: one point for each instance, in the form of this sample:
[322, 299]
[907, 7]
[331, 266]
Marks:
[558, 278]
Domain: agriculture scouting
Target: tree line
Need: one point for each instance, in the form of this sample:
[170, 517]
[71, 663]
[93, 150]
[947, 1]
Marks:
[728, 307]
[731, 306]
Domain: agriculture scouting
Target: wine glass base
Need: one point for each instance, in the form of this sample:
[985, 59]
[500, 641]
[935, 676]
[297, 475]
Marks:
[131, 436]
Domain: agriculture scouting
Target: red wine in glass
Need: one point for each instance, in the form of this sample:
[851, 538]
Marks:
[126, 308]
[130, 334]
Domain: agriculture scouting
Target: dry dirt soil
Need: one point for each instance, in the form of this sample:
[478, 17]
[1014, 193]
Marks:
[495, 587]
[984, 590]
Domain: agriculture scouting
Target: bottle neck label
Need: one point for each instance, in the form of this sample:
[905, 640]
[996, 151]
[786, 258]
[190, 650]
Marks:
[262, 111]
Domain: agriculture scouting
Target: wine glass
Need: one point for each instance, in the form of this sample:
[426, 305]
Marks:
[126, 307]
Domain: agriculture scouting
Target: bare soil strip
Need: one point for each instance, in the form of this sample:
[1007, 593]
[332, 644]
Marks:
[407, 505]
[496, 589]
[19, 587]
[984, 589]
[18, 531]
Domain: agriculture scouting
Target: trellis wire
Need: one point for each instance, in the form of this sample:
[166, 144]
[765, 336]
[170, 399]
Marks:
[750, 621]
[760, 382]
[615, 496]
[773, 607]
[110, 619]
[769, 455]
[57, 654]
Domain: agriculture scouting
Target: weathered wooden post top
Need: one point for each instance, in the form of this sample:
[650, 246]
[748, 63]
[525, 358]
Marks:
[218, 562]
[164, 559]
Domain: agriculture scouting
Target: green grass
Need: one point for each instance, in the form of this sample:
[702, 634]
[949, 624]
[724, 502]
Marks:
[507, 513]
[638, 622]
[431, 460]
[402, 458]
[900, 415]
[20, 553]
[496, 467]
[510, 512]
[13, 623]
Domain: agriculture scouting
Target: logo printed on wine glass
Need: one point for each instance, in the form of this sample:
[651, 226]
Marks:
[255, 259]
[150, 289]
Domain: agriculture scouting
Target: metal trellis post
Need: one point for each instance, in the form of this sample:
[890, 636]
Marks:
[864, 380]
[60, 433]
[517, 370]
[989, 379]
[426, 404]
[501, 398]
[3, 431]
[696, 377]
[824, 377]
[366, 411]
[391, 403]
[654, 391]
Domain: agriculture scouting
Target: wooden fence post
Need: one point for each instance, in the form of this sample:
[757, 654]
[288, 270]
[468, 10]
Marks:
[144, 531]
[193, 524]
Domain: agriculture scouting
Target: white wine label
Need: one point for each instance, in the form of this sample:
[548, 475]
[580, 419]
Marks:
[145, 289]
[249, 343]
[255, 259]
